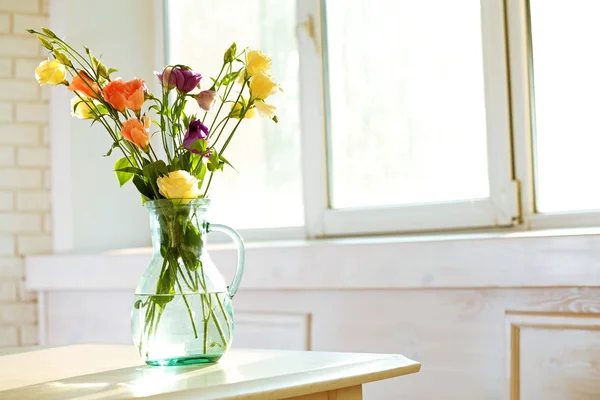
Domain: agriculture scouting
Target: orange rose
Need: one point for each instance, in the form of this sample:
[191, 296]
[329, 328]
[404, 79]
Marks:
[123, 95]
[136, 132]
[134, 91]
[83, 84]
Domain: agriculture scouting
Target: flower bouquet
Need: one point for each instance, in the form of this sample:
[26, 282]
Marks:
[182, 311]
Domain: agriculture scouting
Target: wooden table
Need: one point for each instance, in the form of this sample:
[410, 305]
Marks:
[116, 372]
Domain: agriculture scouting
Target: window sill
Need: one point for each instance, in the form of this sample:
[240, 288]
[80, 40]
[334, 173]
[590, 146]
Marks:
[549, 258]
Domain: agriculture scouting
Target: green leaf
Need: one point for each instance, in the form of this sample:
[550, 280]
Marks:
[197, 166]
[227, 79]
[213, 161]
[123, 176]
[200, 174]
[112, 70]
[152, 172]
[184, 161]
[228, 163]
[143, 187]
[193, 160]
[101, 108]
[199, 145]
[131, 170]
[175, 165]
[112, 147]
[76, 104]
[96, 118]
[193, 240]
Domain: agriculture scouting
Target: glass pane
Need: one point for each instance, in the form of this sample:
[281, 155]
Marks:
[567, 82]
[267, 190]
[406, 101]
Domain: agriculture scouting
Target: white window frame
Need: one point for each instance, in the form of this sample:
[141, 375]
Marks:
[500, 209]
[523, 114]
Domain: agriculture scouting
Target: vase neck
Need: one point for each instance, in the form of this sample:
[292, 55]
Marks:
[182, 227]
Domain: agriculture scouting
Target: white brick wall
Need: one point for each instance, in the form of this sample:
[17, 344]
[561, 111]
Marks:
[5, 67]
[24, 165]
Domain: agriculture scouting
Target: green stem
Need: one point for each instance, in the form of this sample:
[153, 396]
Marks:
[206, 315]
[205, 319]
[188, 309]
[224, 313]
[152, 151]
[110, 131]
[230, 136]
[74, 53]
[163, 123]
[208, 184]
[184, 278]
[160, 311]
[214, 88]
[227, 93]
[218, 326]
[221, 152]
[219, 135]
[174, 122]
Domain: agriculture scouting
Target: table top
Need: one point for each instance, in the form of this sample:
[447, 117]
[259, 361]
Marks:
[116, 372]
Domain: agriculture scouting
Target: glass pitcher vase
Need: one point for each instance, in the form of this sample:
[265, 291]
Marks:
[182, 312]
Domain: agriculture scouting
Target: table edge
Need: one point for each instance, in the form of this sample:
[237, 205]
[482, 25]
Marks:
[383, 368]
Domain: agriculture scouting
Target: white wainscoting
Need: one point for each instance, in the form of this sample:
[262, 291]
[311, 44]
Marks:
[472, 310]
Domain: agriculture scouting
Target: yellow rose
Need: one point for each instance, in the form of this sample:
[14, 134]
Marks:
[262, 86]
[265, 110]
[179, 185]
[257, 61]
[81, 109]
[50, 72]
[236, 108]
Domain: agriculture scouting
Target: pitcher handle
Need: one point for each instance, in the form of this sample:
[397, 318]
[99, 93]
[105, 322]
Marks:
[241, 251]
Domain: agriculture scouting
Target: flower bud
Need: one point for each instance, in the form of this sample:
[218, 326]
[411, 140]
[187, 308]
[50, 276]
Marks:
[230, 53]
[206, 99]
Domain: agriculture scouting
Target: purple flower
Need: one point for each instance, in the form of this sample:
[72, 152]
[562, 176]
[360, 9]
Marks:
[196, 131]
[184, 79]
[166, 78]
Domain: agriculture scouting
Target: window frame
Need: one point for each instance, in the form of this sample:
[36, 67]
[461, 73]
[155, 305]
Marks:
[500, 209]
[520, 53]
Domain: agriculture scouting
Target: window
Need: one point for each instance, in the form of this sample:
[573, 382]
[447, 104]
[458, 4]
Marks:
[418, 136]
[409, 116]
[567, 83]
